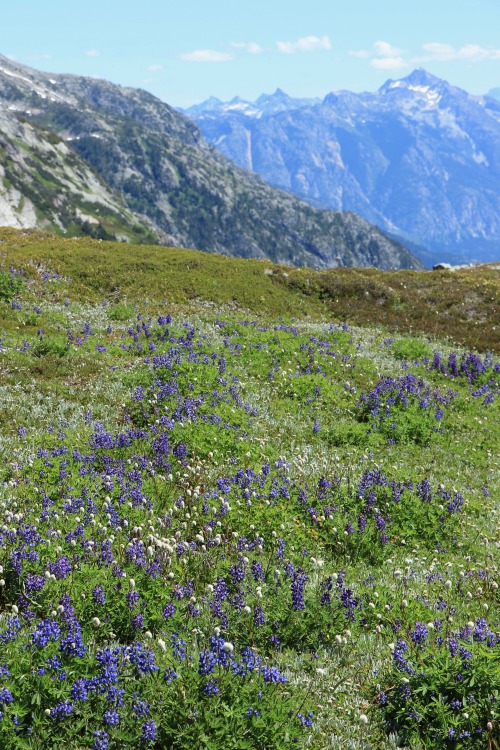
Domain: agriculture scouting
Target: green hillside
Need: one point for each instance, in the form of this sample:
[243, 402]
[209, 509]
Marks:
[463, 306]
[245, 506]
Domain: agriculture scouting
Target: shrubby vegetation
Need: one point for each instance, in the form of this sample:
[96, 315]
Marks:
[10, 285]
[232, 529]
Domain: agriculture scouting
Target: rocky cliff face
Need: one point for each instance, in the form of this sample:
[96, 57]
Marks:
[419, 157]
[148, 167]
[43, 183]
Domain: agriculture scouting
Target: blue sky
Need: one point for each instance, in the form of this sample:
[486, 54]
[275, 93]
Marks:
[184, 52]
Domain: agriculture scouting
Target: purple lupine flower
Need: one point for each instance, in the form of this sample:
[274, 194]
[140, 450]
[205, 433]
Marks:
[102, 740]
[46, 630]
[61, 710]
[79, 691]
[111, 718]
[272, 674]
[98, 595]
[258, 616]
[257, 570]
[306, 720]
[398, 656]
[61, 568]
[237, 573]
[148, 731]
[212, 687]
[138, 621]
[361, 522]
[6, 696]
[132, 598]
[143, 658]
[178, 649]
[349, 602]
[141, 707]
[34, 583]
[221, 590]
[72, 644]
[170, 675]
[298, 585]
[168, 610]
[280, 550]
[419, 634]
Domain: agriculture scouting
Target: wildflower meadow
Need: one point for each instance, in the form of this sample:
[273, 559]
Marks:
[222, 527]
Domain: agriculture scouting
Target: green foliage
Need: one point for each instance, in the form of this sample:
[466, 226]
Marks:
[410, 349]
[407, 409]
[10, 285]
[51, 345]
[445, 691]
[120, 311]
[242, 713]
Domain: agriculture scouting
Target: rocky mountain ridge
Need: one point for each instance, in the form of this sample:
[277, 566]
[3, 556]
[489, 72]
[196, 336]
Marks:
[152, 171]
[419, 158]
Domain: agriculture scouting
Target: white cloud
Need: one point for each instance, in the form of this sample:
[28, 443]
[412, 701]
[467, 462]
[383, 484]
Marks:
[361, 54]
[206, 55]
[440, 52]
[383, 56]
[384, 49]
[388, 63]
[251, 47]
[154, 68]
[387, 57]
[93, 53]
[305, 44]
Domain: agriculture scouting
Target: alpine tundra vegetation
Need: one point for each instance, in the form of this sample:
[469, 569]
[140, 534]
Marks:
[244, 505]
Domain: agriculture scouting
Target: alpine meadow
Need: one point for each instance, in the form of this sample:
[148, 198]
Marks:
[250, 375]
[246, 506]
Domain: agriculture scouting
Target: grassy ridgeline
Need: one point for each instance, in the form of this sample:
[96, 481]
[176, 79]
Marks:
[463, 306]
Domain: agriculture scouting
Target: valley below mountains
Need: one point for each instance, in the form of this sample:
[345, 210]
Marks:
[85, 156]
[419, 158]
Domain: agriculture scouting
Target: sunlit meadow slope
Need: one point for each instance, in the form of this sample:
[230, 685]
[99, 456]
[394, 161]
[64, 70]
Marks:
[243, 505]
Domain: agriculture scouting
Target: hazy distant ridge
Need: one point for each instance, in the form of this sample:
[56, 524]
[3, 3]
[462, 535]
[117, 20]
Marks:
[419, 157]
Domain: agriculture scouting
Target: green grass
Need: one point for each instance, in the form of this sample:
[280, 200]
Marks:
[462, 307]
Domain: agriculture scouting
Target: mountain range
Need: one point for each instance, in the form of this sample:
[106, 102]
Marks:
[83, 155]
[419, 157]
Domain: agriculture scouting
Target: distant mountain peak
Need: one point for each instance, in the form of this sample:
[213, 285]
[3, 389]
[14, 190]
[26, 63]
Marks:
[279, 94]
[494, 93]
[420, 158]
[420, 76]
[212, 101]
[418, 80]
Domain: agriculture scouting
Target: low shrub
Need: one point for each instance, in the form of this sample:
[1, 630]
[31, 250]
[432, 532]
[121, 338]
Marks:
[443, 689]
